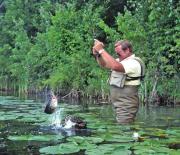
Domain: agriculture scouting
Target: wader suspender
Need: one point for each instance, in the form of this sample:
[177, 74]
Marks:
[129, 78]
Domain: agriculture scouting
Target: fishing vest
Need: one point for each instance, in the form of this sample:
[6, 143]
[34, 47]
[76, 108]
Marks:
[120, 79]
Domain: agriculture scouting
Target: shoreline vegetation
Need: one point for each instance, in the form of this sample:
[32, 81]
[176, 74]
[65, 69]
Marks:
[77, 96]
[48, 43]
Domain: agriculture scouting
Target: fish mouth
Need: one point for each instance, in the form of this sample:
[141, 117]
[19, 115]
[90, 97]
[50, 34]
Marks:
[50, 107]
[49, 110]
[51, 103]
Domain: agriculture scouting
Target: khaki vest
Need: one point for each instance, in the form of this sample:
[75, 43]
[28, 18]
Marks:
[118, 78]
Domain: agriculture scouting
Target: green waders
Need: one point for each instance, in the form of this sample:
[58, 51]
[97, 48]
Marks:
[125, 102]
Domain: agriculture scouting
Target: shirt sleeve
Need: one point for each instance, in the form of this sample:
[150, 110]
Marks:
[132, 67]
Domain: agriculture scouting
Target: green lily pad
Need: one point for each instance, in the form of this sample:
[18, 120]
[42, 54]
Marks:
[30, 119]
[174, 132]
[94, 140]
[79, 139]
[119, 151]
[87, 145]
[94, 151]
[76, 139]
[18, 138]
[89, 117]
[97, 125]
[1, 113]
[64, 148]
[85, 142]
[170, 140]
[108, 137]
[149, 149]
[8, 117]
[174, 152]
[35, 137]
[113, 149]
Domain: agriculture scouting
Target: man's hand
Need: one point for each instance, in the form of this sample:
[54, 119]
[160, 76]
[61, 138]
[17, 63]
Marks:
[96, 42]
[97, 46]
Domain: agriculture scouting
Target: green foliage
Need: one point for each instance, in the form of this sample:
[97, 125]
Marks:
[19, 25]
[131, 29]
[49, 43]
[161, 25]
[63, 52]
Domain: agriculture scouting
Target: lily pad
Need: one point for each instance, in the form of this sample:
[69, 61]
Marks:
[35, 137]
[108, 137]
[174, 152]
[113, 149]
[79, 139]
[85, 142]
[97, 125]
[87, 145]
[1, 113]
[174, 132]
[30, 119]
[76, 139]
[8, 117]
[64, 148]
[151, 150]
[94, 140]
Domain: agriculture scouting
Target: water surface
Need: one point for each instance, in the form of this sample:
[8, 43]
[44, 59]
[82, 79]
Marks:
[25, 129]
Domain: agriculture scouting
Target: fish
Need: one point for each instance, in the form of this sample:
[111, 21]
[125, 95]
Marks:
[51, 102]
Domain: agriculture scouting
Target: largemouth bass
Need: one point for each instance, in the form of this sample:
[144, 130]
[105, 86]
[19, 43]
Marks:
[51, 102]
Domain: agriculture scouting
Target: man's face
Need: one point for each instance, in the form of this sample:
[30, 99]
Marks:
[120, 52]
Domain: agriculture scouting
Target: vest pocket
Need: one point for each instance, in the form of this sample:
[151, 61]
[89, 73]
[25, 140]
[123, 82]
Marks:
[117, 79]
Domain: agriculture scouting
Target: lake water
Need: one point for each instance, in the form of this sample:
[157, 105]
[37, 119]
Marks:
[26, 130]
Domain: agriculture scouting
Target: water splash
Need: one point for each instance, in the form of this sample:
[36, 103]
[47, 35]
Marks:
[136, 136]
[57, 125]
[69, 124]
[57, 118]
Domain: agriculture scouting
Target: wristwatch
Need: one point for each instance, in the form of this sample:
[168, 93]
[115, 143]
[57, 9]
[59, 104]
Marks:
[98, 54]
[100, 51]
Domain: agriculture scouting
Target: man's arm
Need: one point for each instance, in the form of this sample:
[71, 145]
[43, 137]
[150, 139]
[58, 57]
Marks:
[105, 59]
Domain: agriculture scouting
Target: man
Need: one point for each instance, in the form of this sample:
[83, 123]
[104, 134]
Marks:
[127, 70]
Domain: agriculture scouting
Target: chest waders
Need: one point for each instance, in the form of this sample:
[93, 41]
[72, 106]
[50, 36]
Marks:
[125, 98]
[125, 103]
